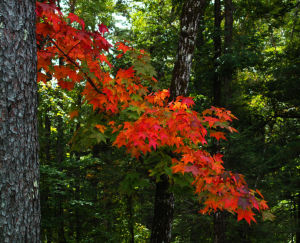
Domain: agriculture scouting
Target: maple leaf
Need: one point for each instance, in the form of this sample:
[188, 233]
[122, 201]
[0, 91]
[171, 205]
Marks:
[267, 215]
[103, 58]
[75, 18]
[186, 158]
[188, 101]
[68, 85]
[217, 135]
[122, 47]
[259, 193]
[100, 127]
[152, 143]
[194, 169]
[42, 8]
[245, 214]
[180, 167]
[211, 120]
[263, 204]
[102, 28]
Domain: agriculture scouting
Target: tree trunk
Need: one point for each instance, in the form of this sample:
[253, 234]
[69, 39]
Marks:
[229, 69]
[60, 156]
[217, 55]
[163, 212]
[164, 199]
[298, 219]
[189, 25]
[219, 217]
[219, 227]
[130, 218]
[19, 166]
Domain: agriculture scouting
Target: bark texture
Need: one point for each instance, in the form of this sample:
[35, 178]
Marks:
[189, 25]
[19, 167]
[164, 199]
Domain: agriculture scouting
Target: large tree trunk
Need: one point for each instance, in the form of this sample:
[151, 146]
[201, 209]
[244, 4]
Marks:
[19, 167]
[164, 199]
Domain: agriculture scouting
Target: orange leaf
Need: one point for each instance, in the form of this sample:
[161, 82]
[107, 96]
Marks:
[101, 128]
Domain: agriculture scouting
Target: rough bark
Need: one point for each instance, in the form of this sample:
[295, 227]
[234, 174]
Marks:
[189, 25]
[164, 199]
[19, 166]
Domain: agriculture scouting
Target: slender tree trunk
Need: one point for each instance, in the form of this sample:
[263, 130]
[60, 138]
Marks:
[45, 195]
[298, 219]
[217, 54]
[164, 199]
[219, 217]
[60, 158]
[130, 218]
[219, 227]
[163, 212]
[228, 50]
[199, 45]
[189, 25]
[19, 167]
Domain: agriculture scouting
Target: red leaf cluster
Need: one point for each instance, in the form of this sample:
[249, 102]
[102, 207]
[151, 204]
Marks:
[71, 55]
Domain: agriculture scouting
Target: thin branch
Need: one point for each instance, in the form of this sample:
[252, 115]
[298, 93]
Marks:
[76, 65]
[73, 48]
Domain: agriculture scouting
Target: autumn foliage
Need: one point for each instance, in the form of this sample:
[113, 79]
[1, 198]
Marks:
[71, 54]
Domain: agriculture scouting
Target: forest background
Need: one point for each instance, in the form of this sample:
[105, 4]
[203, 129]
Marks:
[94, 193]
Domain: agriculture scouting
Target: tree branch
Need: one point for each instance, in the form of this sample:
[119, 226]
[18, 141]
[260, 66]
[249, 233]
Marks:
[76, 65]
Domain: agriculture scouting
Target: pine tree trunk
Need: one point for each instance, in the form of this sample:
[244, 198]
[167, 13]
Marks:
[19, 167]
[164, 199]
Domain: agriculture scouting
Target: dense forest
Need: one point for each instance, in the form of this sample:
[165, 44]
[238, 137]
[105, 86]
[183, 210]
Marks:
[240, 55]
